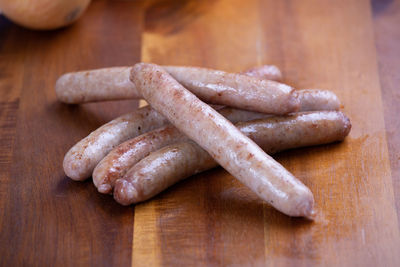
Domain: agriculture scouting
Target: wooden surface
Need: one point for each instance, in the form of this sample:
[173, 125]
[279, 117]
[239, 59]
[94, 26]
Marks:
[350, 47]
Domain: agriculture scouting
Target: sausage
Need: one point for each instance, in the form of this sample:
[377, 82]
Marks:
[116, 163]
[81, 159]
[113, 83]
[95, 85]
[215, 87]
[314, 99]
[268, 72]
[226, 144]
[275, 134]
[317, 100]
[79, 164]
[178, 161]
[125, 155]
[236, 90]
[160, 170]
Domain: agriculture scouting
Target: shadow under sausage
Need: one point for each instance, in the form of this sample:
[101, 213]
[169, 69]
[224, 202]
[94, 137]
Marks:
[85, 195]
[85, 118]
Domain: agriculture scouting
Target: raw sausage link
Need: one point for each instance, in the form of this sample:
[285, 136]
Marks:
[216, 87]
[113, 83]
[160, 170]
[275, 133]
[176, 162]
[226, 144]
[127, 154]
[81, 159]
[314, 99]
[236, 90]
[95, 85]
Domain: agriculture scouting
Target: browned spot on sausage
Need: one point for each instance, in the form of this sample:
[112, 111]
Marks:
[178, 94]
[77, 155]
[159, 74]
[250, 155]
[122, 149]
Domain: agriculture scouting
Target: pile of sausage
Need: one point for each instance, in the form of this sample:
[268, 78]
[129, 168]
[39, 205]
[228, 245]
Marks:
[251, 115]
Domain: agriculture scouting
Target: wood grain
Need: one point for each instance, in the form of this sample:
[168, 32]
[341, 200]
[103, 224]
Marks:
[50, 220]
[197, 34]
[12, 56]
[386, 14]
[349, 180]
[350, 47]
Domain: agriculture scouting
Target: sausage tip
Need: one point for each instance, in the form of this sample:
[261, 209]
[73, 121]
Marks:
[303, 205]
[124, 192]
[64, 92]
[312, 215]
[104, 188]
[347, 125]
[60, 88]
[72, 168]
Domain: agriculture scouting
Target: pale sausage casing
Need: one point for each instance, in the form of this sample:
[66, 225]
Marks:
[125, 155]
[95, 85]
[83, 157]
[236, 90]
[116, 163]
[315, 99]
[226, 144]
[216, 87]
[114, 84]
[178, 161]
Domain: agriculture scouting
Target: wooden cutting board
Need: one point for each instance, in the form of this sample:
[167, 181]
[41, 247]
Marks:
[350, 47]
